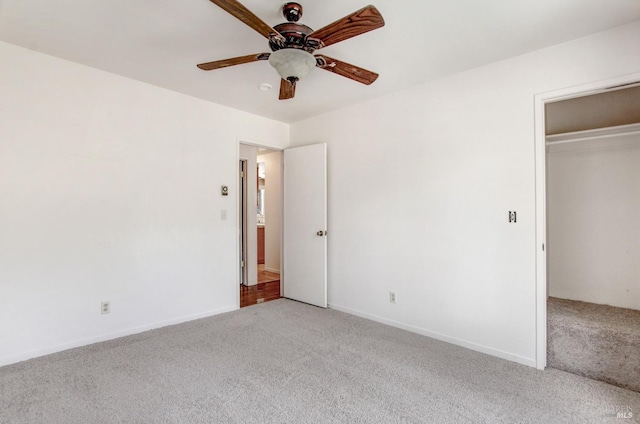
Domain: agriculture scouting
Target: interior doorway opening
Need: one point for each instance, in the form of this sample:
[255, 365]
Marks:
[591, 151]
[260, 220]
[541, 100]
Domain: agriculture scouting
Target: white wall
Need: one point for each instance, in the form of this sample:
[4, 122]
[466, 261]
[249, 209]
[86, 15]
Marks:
[420, 183]
[250, 154]
[273, 209]
[593, 205]
[110, 190]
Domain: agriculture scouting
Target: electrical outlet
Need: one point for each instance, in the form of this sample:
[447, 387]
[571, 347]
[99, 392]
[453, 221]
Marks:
[392, 297]
[105, 307]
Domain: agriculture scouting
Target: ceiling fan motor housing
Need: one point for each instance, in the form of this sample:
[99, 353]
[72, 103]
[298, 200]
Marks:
[295, 36]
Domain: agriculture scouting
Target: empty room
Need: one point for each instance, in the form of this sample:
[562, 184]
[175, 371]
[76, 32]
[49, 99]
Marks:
[432, 226]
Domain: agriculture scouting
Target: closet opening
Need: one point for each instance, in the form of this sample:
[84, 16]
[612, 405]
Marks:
[592, 157]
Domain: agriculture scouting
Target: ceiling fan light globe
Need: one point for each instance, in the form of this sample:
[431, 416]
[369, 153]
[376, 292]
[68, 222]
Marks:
[292, 63]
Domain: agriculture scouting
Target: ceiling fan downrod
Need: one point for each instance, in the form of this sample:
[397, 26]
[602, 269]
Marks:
[292, 11]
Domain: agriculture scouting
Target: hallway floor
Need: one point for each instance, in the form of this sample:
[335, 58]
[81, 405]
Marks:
[268, 288]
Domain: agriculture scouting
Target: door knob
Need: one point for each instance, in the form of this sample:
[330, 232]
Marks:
[321, 233]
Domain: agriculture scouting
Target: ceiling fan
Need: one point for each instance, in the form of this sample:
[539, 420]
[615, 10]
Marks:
[293, 44]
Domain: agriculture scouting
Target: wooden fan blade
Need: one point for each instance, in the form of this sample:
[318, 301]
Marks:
[287, 89]
[346, 70]
[209, 66]
[239, 11]
[364, 20]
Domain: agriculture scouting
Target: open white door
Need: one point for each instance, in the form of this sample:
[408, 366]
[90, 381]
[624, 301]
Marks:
[305, 224]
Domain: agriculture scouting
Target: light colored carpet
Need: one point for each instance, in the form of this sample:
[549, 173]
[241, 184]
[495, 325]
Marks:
[596, 341]
[286, 362]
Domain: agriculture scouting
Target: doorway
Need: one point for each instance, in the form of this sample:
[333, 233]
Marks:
[301, 229]
[589, 134]
[260, 218]
[593, 152]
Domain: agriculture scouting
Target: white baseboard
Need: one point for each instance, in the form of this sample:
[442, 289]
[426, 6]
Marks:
[12, 359]
[453, 340]
[277, 271]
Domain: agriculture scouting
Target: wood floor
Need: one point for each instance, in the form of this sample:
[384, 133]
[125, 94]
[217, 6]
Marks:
[267, 276]
[268, 288]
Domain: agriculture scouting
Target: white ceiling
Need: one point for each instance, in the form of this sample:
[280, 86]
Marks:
[161, 41]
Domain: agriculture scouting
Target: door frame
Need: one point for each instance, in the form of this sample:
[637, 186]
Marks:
[540, 100]
[274, 148]
[242, 220]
